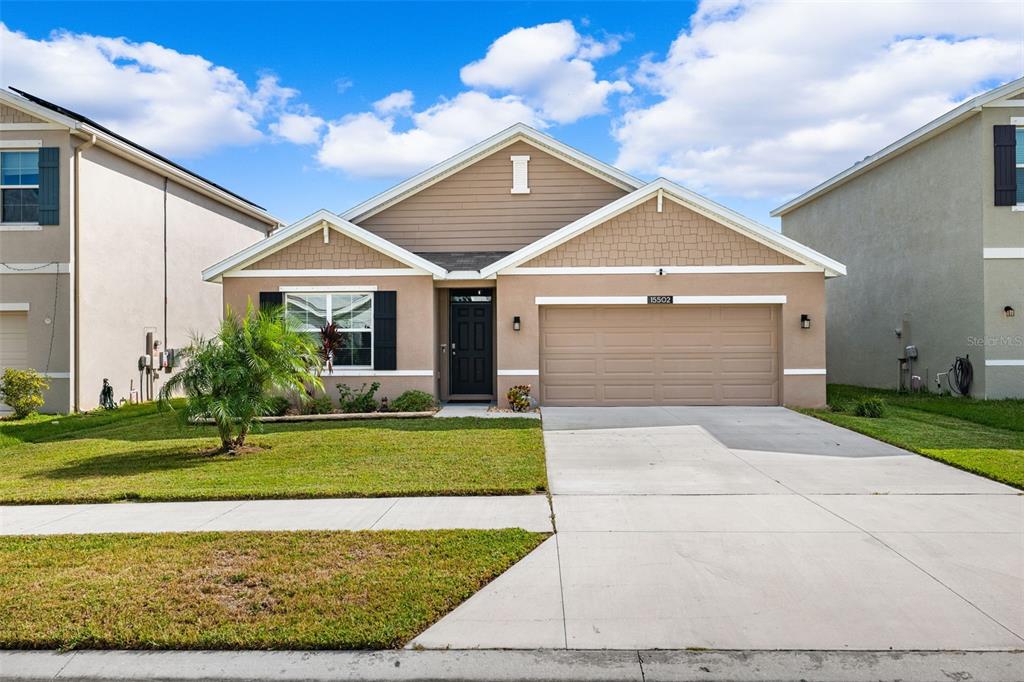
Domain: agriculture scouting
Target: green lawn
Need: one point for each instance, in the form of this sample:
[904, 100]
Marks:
[984, 437]
[298, 590]
[144, 455]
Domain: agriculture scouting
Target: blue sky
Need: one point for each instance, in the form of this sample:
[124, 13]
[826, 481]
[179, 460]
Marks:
[746, 102]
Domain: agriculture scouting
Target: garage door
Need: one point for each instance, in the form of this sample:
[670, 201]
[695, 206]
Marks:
[660, 355]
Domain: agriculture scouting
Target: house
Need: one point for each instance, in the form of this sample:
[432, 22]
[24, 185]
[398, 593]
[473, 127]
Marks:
[101, 243]
[524, 261]
[932, 228]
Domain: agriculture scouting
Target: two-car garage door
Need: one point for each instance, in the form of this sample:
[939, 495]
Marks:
[660, 355]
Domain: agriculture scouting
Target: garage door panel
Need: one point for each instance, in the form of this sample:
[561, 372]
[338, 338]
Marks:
[651, 355]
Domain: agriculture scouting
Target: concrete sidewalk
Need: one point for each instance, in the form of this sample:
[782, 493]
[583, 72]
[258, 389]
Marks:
[507, 666]
[529, 512]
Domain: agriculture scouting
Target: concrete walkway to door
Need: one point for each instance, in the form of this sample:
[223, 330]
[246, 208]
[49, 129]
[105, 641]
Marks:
[752, 528]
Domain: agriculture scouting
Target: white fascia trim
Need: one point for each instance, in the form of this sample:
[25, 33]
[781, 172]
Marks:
[381, 373]
[720, 214]
[518, 372]
[1004, 363]
[13, 127]
[803, 372]
[14, 307]
[20, 144]
[307, 225]
[464, 274]
[39, 111]
[336, 287]
[410, 272]
[729, 300]
[667, 269]
[495, 143]
[34, 268]
[642, 300]
[998, 253]
[947, 120]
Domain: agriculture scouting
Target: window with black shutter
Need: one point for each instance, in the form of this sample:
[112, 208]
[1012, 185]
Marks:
[1007, 156]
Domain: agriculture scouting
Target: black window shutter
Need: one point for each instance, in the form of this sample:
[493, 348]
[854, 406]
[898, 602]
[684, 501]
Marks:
[1005, 153]
[271, 299]
[385, 330]
[49, 186]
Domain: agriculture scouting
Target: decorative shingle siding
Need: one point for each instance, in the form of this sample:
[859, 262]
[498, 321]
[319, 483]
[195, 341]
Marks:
[12, 115]
[677, 236]
[340, 253]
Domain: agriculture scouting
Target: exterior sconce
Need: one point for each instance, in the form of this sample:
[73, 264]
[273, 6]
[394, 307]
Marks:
[516, 325]
[1008, 311]
[805, 321]
[661, 272]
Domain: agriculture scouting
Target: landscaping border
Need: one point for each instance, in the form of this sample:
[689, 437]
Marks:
[337, 416]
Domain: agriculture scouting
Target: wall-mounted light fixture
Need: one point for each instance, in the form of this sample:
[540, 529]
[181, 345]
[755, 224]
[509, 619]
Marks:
[805, 321]
[661, 272]
[1008, 311]
[516, 325]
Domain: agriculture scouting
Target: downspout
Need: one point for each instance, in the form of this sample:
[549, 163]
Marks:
[75, 231]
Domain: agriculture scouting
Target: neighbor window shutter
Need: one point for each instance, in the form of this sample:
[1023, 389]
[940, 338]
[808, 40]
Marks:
[385, 330]
[271, 299]
[1005, 154]
[49, 186]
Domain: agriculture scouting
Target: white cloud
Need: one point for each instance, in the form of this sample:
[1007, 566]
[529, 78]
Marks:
[370, 145]
[179, 104]
[767, 99]
[396, 102]
[550, 67]
[298, 128]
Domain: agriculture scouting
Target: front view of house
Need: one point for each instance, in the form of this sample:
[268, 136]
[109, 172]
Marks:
[524, 261]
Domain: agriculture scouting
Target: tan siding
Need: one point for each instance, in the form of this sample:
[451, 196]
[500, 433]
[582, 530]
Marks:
[340, 253]
[474, 209]
[13, 115]
[676, 236]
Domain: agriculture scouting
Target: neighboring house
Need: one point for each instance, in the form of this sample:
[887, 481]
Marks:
[523, 261]
[932, 228]
[102, 241]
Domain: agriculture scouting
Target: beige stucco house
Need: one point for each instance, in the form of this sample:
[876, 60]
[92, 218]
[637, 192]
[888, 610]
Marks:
[101, 242]
[932, 227]
[524, 261]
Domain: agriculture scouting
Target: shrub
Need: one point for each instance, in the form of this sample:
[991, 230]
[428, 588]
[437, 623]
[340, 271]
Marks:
[277, 405]
[869, 407]
[321, 404]
[358, 401]
[413, 401]
[22, 390]
[519, 398]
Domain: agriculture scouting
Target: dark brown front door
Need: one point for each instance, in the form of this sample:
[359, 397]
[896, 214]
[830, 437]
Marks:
[472, 350]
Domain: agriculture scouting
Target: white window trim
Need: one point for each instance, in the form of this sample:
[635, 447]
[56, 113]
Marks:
[355, 372]
[14, 307]
[19, 146]
[360, 288]
[330, 318]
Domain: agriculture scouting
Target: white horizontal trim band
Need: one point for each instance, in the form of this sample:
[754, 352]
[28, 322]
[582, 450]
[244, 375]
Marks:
[1003, 253]
[17, 144]
[14, 307]
[33, 268]
[518, 372]
[4, 127]
[21, 227]
[727, 300]
[383, 272]
[56, 375]
[381, 373]
[803, 372]
[669, 270]
[335, 287]
[1004, 363]
[642, 300]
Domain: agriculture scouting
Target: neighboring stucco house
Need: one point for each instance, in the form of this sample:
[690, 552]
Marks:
[102, 241]
[522, 260]
[932, 228]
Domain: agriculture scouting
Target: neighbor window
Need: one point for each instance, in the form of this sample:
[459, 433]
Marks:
[352, 313]
[19, 187]
[1020, 166]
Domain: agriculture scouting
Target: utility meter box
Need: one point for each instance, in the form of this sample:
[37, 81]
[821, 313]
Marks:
[911, 352]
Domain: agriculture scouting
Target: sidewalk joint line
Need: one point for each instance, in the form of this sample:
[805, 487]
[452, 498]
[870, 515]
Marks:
[221, 515]
[57, 674]
[373, 526]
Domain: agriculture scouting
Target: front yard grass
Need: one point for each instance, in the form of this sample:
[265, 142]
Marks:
[149, 456]
[298, 590]
[983, 437]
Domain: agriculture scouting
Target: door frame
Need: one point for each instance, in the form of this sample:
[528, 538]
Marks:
[492, 333]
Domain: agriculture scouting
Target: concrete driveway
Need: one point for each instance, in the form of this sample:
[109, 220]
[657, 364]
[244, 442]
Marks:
[752, 528]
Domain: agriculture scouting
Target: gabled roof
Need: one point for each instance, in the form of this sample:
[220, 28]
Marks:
[515, 133]
[84, 125]
[304, 227]
[685, 197]
[944, 122]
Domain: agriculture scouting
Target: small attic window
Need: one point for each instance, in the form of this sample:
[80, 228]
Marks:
[520, 175]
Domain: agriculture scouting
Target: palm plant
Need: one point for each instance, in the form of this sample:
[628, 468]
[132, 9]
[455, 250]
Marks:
[231, 378]
[331, 340]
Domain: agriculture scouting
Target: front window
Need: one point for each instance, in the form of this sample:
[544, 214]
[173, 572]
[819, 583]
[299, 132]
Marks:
[19, 187]
[1020, 166]
[351, 312]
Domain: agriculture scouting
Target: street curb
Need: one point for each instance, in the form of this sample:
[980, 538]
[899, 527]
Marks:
[506, 666]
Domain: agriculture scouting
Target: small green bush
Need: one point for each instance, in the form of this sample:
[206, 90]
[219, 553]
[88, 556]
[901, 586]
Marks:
[519, 397]
[358, 401]
[871, 407]
[320, 404]
[413, 401]
[277, 406]
[22, 390]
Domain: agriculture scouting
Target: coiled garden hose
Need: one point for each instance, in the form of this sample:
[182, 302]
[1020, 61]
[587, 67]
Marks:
[961, 375]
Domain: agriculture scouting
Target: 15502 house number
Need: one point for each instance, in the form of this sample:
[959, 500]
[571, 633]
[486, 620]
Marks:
[658, 300]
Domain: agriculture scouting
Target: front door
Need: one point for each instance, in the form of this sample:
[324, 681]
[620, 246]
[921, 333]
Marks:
[471, 343]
